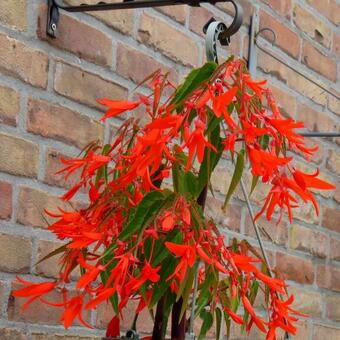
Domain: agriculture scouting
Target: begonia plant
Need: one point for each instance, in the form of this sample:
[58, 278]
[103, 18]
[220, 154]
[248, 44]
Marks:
[144, 235]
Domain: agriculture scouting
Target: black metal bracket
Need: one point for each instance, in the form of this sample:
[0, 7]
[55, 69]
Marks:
[55, 5]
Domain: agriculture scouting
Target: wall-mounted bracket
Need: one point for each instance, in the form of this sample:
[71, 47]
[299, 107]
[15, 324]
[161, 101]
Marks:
[54, 6]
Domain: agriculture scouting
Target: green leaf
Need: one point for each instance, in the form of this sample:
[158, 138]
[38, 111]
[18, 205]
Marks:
[218, 314]
[236, 177]
[53, 253]
[208, 321]
[147, 208]
[187, 290]
[254, 183]
[264, 141]
[195, 78]
[211, 158]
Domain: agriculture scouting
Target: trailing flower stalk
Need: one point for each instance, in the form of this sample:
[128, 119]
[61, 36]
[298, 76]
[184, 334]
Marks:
[139, 239]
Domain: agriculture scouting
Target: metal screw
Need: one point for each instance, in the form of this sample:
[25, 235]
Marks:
[54, 27]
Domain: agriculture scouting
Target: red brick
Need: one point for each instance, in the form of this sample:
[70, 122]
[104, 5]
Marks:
[14, 14]
[9, 105]
[305, 239]
[319, 62]
[75, 83]
[247, 5]
[295, 268]
[54, 336]
[177, 45]
[62, 124]
[333, 162]
[50, 267]
[307, 301]
[105, 314]
[23, 62]
[230, 218]
[38, 312]
[18, 156]
[76, 37]
[316, 120]
[31, 205]
[285, 101]
[336, 43]
[137, 66]
[328, 277]
[15, 253]
[328, 8]
[272, 67]
[326, 332]
[278, 234]
[282, 7]
[121, 21]
[13, 334]
[287, 40]
[312, 26]
[6, 200]
[198, 17]
[178, 13]
[331, 218]
[53, 165]
[334, 252]
[333, 307]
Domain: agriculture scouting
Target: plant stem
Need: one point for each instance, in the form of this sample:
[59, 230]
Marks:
[178, 327]
[158, 326]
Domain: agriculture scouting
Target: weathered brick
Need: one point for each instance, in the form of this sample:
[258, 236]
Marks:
[286, 102]
[307, 88]
[75, 83]
[319, 62]
[307, 301]
[333, 162]
[178, 45]
[3, 297]
[333, 102]
[121, 21]
[316, 120]
[137, 66]
[23, 62]
[272, 67]
[312, 26]
[333, 307]
[12, 260]
[331, 218]
[247, 5]
[6, 200]
[305, 239]
[306, 212]
[45, 336]
[304, 331]
[295, 268]
[282, 7]
[198, 17]
[18, 156]
[49, 267]
[336, 43]
[287, 39]
[230, 218]
[277, 234]
[334, 252]
[326, 332]
[76, 37]
[105, 314]
[13, 334]
[328, 8]
[9, 105]
[38, 312]
[53, 165]
[14, 14]
[62, 124]
[337, 192]
[31, 205]
[328, 277]
[178, 13]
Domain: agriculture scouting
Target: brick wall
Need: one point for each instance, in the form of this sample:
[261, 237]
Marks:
[47, 109]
